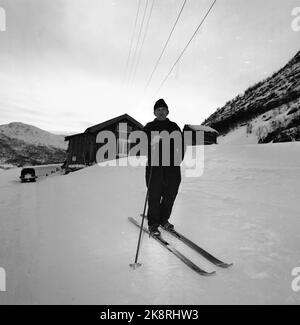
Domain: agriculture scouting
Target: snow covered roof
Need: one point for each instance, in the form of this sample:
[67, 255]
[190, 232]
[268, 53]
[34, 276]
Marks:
[98, 127]
[202, 128]
[67, 138]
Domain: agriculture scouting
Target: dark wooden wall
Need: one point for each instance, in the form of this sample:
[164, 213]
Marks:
[84, 147]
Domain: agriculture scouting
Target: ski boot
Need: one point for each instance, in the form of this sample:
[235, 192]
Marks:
[153, 231]
[167, 226]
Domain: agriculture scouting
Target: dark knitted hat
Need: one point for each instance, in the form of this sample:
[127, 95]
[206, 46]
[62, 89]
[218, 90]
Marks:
[160, 103]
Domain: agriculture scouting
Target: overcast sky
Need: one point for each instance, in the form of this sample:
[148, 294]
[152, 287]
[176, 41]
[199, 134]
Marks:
[63, 62]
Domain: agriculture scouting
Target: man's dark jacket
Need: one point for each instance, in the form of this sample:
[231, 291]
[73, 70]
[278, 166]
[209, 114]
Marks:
[176, 148]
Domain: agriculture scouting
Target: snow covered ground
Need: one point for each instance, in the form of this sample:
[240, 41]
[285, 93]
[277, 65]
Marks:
[238, 136]
[67, 240]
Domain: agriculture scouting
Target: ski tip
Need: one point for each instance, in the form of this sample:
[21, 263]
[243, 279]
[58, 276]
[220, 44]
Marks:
[225, 265]
[209, 273]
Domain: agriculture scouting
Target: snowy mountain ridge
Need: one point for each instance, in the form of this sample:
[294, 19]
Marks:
[19, 153]
[22, 144]
[32, 135]
[267, 112]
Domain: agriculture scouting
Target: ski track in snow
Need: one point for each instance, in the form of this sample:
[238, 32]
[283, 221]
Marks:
[66, 239]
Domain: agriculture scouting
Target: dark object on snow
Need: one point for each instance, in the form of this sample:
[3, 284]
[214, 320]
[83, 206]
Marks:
[209, 135]
[173, 250]
[73, 168]
[83, 147]
[197, 249]
[165, 175]
[168, 226]
[164, 185]
[28, 175]
[154, 231]
[292, 134]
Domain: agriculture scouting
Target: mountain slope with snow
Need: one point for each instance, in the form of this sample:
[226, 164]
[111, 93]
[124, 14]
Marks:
[19, 153]
[269, 110]
[32, 135]
[66, 239]
[22, 144]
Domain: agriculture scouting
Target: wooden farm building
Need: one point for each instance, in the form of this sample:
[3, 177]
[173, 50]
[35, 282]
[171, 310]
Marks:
[210, 134]
[83, 147]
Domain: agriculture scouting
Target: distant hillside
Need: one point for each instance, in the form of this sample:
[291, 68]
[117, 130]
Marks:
[269, 110]
[20, 153]
[32, 135]
[22, 144]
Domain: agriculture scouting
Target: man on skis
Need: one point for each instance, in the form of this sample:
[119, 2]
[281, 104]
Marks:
[163, 176]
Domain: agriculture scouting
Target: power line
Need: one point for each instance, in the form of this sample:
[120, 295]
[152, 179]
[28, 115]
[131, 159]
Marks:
[166, 44]
[180, 56]
[132, 37]
[144, 38]
[139, 37]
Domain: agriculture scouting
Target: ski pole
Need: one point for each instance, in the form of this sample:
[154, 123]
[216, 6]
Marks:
[136, 264]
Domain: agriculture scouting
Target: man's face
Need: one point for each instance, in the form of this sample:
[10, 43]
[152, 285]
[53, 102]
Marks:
[161, 113]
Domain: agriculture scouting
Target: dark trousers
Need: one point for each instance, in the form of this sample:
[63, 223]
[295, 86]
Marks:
[163, 189]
